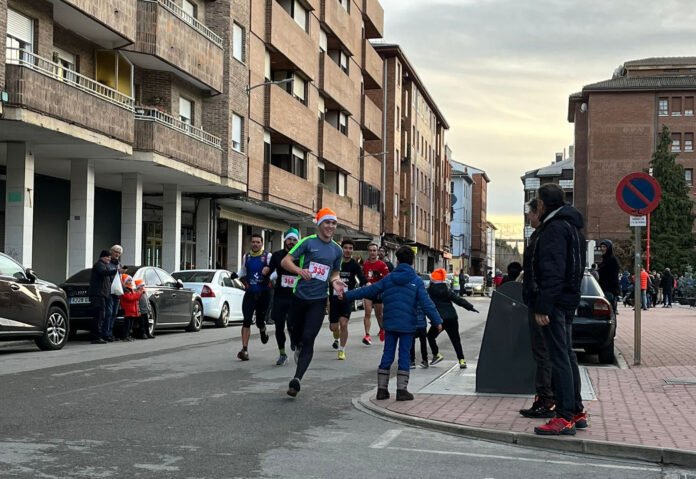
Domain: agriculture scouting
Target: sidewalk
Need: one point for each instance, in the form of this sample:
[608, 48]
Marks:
[637, 414]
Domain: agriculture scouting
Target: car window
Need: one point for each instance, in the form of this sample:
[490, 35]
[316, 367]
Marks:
[221, 278]
[237, 284]
[590, 287]
[476, 279]
[167, 278]
[10, 268]
[194, 276]
[80, 277]
[151, 278]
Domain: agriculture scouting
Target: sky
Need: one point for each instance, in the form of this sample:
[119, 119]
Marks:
[501, 72]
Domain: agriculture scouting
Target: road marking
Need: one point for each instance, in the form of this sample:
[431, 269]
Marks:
[384, 440]
[525, 459]
[95, 386]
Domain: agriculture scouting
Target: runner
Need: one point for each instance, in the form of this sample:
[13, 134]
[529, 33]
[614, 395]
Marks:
[282, 298]
[374, 270]
[382, 252]
[320, 265]
[257, 293]
[339, 311]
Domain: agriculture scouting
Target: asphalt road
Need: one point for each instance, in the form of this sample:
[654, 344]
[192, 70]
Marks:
[183, 406]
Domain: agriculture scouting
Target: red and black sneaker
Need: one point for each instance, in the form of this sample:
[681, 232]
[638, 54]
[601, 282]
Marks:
[540, 409]
[580, 420]
[556, 427]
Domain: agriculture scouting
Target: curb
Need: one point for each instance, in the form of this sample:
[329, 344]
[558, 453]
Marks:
[660, 455]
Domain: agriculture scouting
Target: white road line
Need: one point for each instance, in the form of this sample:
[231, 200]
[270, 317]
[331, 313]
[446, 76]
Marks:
[526, 459]
[384, 440]
[94, 386]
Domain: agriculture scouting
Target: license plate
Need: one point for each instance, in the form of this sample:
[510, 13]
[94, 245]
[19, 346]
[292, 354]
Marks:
[78, 300]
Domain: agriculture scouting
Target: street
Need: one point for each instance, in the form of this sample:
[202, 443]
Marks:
[183, 406]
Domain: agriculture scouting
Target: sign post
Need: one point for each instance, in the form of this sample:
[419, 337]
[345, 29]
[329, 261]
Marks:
[638, 194]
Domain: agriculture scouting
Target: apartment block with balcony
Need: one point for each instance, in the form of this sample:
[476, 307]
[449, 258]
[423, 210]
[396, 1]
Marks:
[461, 188]
[417, 188]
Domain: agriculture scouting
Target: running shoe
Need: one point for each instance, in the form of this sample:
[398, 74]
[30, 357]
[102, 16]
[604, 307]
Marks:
[381, 335]
[556, 427]
[282, 360]
[293, 387]
[436, 359]
[367, 340]
[424, 364]
[243, 355]
[462, 364]
[264, 336]
[413, 365]
[540, 409]
[580, 420]
[335, 344]
[341, 355]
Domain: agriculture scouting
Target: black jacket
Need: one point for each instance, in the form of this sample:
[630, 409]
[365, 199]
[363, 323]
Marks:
[443, 298]
[559, 261]
[529, 286]
[609, 270]
[274, 265]
[100, 281]
[349, 271]
[667, 281]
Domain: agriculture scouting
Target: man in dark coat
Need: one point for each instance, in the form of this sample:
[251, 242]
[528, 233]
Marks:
[99, 293]
[463, 279]
[558, 264]
[667, 283]
[609, 272]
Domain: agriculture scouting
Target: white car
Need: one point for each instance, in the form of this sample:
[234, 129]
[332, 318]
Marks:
[221, 295]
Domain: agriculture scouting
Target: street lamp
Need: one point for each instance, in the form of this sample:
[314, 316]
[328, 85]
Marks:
[248, 88]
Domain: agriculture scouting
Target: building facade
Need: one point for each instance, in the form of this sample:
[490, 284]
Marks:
[480, 251]
[416, 172]
[461, 188]
[617, 123]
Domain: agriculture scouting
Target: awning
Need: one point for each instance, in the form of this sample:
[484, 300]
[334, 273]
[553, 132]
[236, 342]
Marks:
[229, 214]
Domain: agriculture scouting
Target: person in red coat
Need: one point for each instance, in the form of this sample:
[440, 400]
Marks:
[129, 303]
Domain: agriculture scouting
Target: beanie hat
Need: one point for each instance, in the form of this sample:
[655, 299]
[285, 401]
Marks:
[325, 214]
[139, 283]
[291, 233]
[125, 279]
[104, 254]
[438, 276]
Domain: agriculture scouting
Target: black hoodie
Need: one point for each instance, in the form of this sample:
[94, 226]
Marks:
[443, 298]
[558, 261]
[609, 270]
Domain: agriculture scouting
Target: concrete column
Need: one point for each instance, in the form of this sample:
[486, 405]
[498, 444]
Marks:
[275, 242]
[234, 245]
[132, 218]
[81, 224]
[19, 203]
[203, 233]
[171, 228]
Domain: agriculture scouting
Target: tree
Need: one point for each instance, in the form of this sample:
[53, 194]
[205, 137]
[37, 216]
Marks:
[671, 224]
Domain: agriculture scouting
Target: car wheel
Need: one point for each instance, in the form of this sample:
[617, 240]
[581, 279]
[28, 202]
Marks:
[152, 321]
[224, 318]
[468, 294]
[606, 355]
[57, 329]
[196, 318]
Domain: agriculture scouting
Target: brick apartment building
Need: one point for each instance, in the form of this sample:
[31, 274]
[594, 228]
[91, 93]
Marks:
[128, 121]
[617, 123]
[481, 255]
[417, 174]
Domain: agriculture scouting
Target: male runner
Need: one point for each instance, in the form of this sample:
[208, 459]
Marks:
[339, 311]
[282, 298]
[374, 270]
[382, 253]
[257, 293]
[319, 266]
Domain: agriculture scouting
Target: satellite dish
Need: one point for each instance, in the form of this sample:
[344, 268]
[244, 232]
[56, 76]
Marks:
[453, 199]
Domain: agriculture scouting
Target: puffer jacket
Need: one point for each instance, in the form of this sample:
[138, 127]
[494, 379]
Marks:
[609, 270]
[402, 293]
[129, 303]
[443, 299]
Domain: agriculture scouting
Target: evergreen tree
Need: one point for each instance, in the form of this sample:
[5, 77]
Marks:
[671, 224]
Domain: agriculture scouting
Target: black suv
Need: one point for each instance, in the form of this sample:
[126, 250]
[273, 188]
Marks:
[31, 308]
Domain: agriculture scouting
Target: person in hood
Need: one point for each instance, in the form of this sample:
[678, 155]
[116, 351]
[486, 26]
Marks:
[609, 272]
[403, 292]
[443, 299]
[667, 283]
[513, 271]
[558, 266]
[625, 283]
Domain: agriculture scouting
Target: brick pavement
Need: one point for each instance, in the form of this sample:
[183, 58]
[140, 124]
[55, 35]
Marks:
[635, 406]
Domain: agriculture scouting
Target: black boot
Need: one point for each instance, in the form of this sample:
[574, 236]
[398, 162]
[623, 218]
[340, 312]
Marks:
[402, 393]
[382, 384]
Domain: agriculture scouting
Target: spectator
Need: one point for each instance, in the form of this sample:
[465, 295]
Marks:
[514, 269]
[99, 292]
[667, 284]
[644, 280]
[608, 272]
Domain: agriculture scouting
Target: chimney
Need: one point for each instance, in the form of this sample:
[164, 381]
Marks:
[559, 157]
[571, 151]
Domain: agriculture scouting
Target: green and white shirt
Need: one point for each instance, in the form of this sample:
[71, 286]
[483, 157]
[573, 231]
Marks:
[320, 258]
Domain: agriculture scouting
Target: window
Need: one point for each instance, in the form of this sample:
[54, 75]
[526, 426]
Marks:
[289, 158]
[688, 142]
[676, 142]
[342, 180]
[398, 73]
[676, 106]
[398, 118]
[11, 269]
[340, 58]
[396, 204]
[689, 106]
[189, 10]
[299, 159]
[296, 11]
[114, 71]
[267, 67]
[20, 35]
[266, 146]
[343, 123]
[297, 88]
[321, 108]
[237, 128]
[323, 41]
[344, 4]
[67, 63]
[689, 176]
[369, 196]
[238, 42]
[397, 159]
[322, 172]
[185, 110]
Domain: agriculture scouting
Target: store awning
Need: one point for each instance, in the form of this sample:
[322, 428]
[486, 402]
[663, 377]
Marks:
[235, 215]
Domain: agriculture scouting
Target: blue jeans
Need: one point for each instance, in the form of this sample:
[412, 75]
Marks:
[667, 294]
[644, 299]
[404, 340]
[112, 304]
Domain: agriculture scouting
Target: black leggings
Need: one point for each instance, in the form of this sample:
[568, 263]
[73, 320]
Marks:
[452, 329]
[282, 303]
[304, 325]
[255, 301]
[420, 334]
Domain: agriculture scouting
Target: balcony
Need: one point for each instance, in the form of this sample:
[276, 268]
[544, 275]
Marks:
[370, 220]
[372, 65]
[170, 40]
[290, 118]
[346, 208]
[371, 119]
[372, 170]
[341, 23]
[338, 148]
[373, 14]
[38, 84]
[161, 133]
[285, 189]
[108, 23]
[286, 36]
[338, 85]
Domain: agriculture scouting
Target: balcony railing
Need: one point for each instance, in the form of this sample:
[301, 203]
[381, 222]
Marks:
[19, 56]
[195, 23]
[152, 114]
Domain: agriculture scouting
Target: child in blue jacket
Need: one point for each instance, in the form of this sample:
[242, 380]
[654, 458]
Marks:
[403, 293]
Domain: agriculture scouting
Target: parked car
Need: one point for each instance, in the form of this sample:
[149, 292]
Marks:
[173, 306]
[426, 279]
[475, 285]
[594, 324]
[221, 295]
[31, 308]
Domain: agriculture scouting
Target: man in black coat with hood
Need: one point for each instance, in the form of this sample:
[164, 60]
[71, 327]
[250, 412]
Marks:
[609, 273]
[558, 263]
[667, 283]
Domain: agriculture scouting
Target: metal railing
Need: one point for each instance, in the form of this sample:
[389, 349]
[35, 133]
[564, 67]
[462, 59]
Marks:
[25, 58]
[195, 23]
[152, 114]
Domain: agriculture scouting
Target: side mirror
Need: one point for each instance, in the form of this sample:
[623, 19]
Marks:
[31, 276]
[179, 284]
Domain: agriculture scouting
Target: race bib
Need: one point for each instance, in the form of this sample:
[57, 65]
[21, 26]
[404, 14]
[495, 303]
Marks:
[288, 281]
[319, 271]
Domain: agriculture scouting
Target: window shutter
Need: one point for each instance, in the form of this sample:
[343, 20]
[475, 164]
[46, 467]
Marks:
[185, 109]
[298, 87]
[20, 27]
[323, 41]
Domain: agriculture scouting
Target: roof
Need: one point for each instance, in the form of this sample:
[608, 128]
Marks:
[554, 169]
[657, 82]
[388, 49]
[661, 62]
[461, 167]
